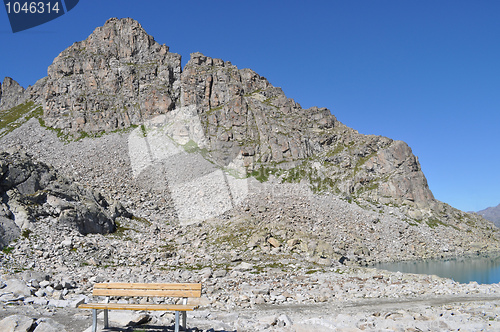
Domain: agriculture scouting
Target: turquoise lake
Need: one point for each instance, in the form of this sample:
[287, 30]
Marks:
[482, 269]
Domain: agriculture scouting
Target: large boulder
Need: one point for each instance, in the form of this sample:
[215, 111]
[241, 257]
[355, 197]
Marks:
[17, 323]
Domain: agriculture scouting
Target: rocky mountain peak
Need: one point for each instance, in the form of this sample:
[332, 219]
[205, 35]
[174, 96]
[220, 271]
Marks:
[121, 39]
[119, 76]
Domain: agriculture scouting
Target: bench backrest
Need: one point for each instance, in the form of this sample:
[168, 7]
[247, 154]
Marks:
[147, 289]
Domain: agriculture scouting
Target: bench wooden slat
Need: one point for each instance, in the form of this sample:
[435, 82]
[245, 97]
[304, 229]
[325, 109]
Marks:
[127, 306]
[146, 292]
[143, 290]
[124, 285]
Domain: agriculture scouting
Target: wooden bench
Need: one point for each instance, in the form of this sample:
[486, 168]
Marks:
[183, 291]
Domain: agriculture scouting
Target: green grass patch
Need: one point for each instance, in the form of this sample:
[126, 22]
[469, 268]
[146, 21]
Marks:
[7, 250]
[312, 271]
[70, 137]
[434, 222]
[121, 231]
[143, 130]
[191, 147]
[26, 233]
[361, 161]
[142, 220]
[18, 115]
[262, 174]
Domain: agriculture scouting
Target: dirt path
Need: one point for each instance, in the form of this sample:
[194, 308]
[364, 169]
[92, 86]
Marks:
[368, 306]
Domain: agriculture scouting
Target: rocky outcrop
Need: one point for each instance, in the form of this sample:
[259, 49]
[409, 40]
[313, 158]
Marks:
[119, 76]
[245, 117]
[243, 114]
[31, 191]
[11, 94]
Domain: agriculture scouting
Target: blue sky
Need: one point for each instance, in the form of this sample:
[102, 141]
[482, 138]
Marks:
[425, 72]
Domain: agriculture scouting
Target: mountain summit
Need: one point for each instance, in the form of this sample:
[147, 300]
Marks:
[209, 138]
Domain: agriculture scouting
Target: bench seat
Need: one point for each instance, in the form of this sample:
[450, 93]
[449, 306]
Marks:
[127, 306]
[119, 289]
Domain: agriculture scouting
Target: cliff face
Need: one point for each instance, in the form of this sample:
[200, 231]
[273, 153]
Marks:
[120, 77]
[243, 114]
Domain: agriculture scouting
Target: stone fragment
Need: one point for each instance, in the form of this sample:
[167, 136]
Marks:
[16, 287]
[126, 318]
[272, 241]
[206, 273]
[283, 320]
[243, 266]
[220, 273]
[17, 323]
[49, 325]
[75, 302]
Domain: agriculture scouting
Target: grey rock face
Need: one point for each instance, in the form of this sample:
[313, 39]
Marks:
[243, 114]
[11, 94]
[30, 190]
[117, 77]
[8, 230]
[49, 325]
[17, 287]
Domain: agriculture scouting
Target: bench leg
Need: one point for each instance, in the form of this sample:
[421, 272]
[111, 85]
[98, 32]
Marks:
[176, 321]
[106, 322]
[184, 320]
[94, 320]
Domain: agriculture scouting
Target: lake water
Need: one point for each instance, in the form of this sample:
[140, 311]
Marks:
[482, 269]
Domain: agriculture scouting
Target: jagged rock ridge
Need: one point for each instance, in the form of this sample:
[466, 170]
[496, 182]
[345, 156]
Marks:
[245, 116]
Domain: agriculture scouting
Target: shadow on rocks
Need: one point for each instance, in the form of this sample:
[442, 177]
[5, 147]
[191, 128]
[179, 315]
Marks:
[157, 328]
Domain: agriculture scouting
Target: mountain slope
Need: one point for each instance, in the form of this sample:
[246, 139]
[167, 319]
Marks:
[214, 141]
[492, 214]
